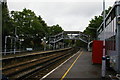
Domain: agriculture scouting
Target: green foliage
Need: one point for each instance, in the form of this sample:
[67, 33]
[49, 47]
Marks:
[6, 23]
[107, 11]
[6, 20]
[55, 29]
[80, 44]
[27, 26]
[92, 27]
[33, 28]
[94, 24]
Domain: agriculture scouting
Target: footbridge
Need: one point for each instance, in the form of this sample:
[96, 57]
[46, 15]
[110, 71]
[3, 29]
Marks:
[69, 35]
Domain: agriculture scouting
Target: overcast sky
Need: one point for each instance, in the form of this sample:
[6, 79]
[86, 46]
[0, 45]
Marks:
[69, 14]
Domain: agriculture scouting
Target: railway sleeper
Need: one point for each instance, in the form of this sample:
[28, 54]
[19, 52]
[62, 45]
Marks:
[24, 74]
[29, 67]
[24, 63]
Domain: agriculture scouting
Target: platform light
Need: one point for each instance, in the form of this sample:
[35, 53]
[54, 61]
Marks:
[5, 49]
[104, 56]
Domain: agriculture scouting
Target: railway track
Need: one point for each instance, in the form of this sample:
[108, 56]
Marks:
[39, 74]
[24, 69]
[27, 57]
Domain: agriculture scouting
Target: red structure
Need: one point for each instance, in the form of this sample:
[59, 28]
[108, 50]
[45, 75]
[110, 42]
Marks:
[97, 51]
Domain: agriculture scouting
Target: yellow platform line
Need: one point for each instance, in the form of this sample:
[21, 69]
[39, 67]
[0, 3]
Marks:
[70, 67]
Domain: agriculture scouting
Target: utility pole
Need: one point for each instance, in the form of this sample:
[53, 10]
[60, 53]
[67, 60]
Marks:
[104, 56]
[0, 27]
[0, 38]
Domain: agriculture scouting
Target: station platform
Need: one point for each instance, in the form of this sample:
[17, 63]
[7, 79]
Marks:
[77, 67]
[29, 53]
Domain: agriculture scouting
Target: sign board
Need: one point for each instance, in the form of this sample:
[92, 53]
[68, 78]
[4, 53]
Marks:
[29, 49]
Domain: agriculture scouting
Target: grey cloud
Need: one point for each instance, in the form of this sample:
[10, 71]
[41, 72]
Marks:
[84, 9]
[70, 15]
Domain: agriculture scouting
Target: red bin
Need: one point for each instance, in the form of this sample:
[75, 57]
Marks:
[97, 51]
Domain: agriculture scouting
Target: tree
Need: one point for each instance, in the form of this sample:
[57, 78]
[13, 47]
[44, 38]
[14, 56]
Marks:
[6, 23]
[26, 25]
[92, 27]
[45, 27]
[55, 29]
[94, 24]
[32, 27]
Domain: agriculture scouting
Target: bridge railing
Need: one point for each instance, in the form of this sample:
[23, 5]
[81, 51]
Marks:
[73, 35]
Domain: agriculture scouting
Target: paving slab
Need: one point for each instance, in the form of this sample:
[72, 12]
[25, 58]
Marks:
[78, 67]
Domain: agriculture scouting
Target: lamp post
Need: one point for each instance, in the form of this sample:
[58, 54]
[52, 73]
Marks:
[89, 42]
[54, 44]
[0, 27]
[11, 44]
[5, 49]
[20, 44]
[49, 43]
[15, 38]
[44, 43]
[93, 29]
[103, 57]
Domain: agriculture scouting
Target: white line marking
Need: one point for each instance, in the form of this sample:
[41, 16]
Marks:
[58, 66]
